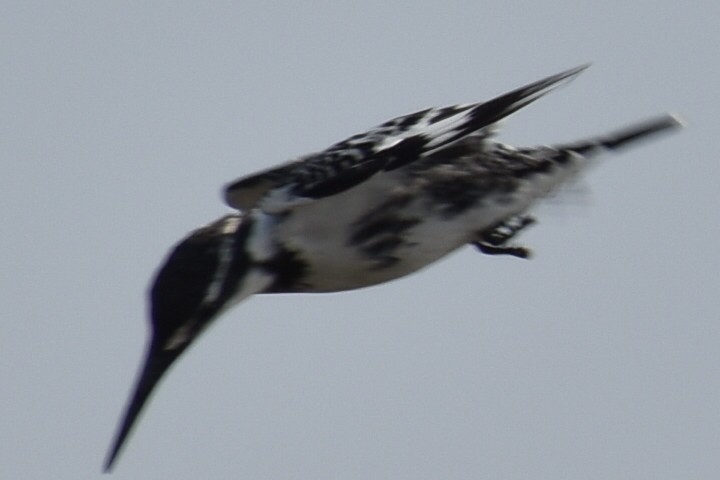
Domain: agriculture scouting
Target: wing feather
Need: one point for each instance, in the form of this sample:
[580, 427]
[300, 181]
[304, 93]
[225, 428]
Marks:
[391, 145]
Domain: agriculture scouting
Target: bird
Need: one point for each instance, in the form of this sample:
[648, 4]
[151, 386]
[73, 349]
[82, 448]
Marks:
[375, 207]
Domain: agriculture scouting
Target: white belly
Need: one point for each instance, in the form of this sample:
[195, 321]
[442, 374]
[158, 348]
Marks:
[325, 232]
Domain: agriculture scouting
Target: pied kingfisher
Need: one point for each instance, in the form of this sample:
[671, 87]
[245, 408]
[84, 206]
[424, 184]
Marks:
[372, 208]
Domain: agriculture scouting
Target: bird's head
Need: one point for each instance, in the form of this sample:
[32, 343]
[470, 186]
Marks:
[206, 273]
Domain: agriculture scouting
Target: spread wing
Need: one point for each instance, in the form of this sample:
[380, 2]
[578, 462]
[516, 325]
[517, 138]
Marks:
[389, 146]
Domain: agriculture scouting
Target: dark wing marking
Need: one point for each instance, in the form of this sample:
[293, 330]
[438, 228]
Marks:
[389, 146]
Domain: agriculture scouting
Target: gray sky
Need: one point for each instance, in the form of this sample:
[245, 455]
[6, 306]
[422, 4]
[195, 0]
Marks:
[598, 359]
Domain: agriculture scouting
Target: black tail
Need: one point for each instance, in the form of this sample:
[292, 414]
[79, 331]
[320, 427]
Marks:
[625, 137]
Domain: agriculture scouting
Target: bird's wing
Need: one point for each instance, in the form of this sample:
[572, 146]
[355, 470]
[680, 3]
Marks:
[389, 146]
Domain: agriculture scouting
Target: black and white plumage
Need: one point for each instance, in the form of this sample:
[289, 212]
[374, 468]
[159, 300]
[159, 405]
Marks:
[375, 207]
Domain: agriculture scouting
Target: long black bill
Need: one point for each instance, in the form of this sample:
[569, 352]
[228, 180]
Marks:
[198, 277]
[157, 362]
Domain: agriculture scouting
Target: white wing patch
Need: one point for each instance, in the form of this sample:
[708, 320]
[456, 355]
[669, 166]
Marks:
[436, 132]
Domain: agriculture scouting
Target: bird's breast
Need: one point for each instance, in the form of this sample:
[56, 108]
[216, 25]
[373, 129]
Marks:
[346, 252]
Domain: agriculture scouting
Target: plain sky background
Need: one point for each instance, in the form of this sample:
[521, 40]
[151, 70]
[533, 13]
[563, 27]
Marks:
[598, 359]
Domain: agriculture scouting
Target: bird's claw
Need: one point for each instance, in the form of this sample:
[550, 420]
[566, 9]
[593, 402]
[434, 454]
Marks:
[494, 241]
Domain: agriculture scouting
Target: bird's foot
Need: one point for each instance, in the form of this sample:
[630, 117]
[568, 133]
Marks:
[494, 240]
